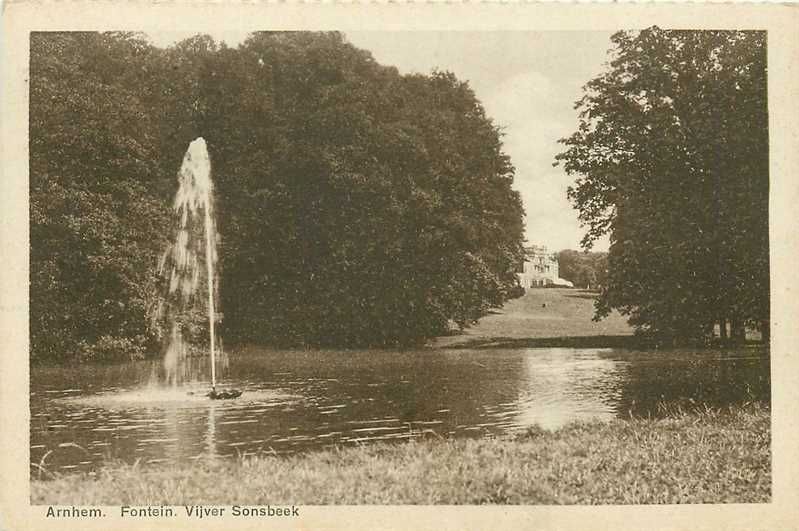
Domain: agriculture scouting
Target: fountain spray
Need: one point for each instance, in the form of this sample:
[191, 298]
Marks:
[209, 266]
[193, 207]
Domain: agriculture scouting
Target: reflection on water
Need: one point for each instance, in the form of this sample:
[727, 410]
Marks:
[210, 432]
[560, 386]
[301, 400]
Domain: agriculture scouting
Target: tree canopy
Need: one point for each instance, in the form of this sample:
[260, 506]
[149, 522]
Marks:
[356, 206]
[671, 159]
[95, 222]
[583, 269]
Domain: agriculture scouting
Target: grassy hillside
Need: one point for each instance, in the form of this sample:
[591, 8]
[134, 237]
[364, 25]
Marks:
[544, 317]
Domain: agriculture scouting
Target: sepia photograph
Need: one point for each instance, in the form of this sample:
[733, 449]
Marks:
[271, 268]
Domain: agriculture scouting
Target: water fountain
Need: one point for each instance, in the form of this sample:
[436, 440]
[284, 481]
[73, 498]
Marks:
[190, 256]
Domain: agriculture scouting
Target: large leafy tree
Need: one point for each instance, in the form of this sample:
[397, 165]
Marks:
[671, 155]
[356, 206]
[584, 269]
[95, 226]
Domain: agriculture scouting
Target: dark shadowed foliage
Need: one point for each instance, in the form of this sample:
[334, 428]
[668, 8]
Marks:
[585, 269]
[96, 219]
[356, 206]
[672, 157]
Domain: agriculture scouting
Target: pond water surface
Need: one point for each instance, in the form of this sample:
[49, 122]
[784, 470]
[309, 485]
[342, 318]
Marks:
[304, 400]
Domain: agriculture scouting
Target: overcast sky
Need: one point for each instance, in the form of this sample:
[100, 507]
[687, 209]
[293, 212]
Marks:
[528, 83]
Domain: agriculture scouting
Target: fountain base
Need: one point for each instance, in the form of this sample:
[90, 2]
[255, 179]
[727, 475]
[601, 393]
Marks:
[223, 395]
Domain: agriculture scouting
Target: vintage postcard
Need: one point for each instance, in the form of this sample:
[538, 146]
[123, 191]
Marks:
[399, 266]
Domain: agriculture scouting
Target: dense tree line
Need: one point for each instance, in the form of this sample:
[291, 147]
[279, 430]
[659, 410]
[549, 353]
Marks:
[588, 270]
[671, 154]
[356, 206]
[96, 217]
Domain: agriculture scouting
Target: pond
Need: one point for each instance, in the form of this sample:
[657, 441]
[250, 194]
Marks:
[303, 400]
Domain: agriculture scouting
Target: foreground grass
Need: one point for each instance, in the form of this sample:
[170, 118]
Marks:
[706, 457]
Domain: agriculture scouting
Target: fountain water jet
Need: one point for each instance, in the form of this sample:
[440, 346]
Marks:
[195, 242]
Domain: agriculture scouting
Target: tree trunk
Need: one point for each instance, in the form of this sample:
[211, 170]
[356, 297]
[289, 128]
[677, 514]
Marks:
[723, 328]
[737, 331]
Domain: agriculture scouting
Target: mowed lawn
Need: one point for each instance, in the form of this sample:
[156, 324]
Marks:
[556, 314]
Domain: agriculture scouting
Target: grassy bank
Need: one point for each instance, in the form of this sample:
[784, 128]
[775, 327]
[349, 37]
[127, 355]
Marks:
[544, 317]
[705, 457]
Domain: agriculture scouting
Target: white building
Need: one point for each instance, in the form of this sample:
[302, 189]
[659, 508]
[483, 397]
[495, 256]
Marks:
[540, 268]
